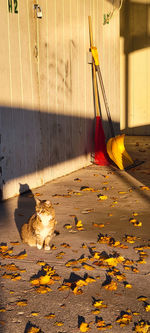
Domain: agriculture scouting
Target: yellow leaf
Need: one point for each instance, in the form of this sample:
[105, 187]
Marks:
[22, 303]
[41, 263]
[102, 197]
[35, 314]
[68, 226]
[71, 263]
[43, 289]
[59, 323]
[98, 225]
[147, 307]
[50, 316]
[35, 282]
[15, 243]
[63, 287]
[99, 304]
[128, 285]
[90, 280]
[144, 188]
[111, 286]
[77, 291]
[33, 329]
[16, 277]
[81, 283]
[21, 256]
[2, 309]
[96, 311]
[142, 327]
[84, 327]
[142, 298]
[88, 267]
[44, 279]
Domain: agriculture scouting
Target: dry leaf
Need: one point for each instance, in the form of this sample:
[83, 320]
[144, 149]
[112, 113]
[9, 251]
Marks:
[142, 298]
[111, 286]
[147, 307]
[68, 226]
[88, 267]
[15, 243]
[50, 316]
[35, 314]
[145, 188]
[99, 304]
[33, 329]
[84, 327]
[124, 319]
[102, 197]
[2, 310]
[142, 327]
[43, 289]
[98, 225]
[22, 303]
[59, 323]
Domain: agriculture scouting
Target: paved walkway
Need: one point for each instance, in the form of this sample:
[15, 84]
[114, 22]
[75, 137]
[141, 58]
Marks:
[100, 255]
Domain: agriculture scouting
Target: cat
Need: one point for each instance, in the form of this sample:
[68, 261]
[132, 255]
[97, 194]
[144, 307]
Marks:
[39, 229]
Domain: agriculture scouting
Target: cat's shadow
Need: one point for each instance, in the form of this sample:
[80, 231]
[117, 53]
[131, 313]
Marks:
[26, 206]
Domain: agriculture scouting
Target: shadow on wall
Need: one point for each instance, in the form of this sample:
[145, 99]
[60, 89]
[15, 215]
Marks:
[135, 28]
[33, 140]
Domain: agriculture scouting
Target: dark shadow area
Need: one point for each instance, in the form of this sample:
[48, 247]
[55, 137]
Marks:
[134, 27]
[26, 206]
[33, 140]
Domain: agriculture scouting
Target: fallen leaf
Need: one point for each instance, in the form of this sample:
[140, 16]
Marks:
[99, 304]
[50, 316]
[142, 298]
[35, 314]
[84, 327]
[112, 285]
[2, 310]
[147, 307]
[98, 225]
[22, 303]
[68, 226]
[142, 327]
[59, 323]
[102, 197]
[88, 267]
[15, 243]
[43, 289]
[33, 329]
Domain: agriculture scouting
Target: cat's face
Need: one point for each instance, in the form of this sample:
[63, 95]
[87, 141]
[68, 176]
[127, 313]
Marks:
[44, 207]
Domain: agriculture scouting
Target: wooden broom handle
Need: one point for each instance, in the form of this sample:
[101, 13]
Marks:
[94, 70]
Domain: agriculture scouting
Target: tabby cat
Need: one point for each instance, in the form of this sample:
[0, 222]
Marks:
[39, 229]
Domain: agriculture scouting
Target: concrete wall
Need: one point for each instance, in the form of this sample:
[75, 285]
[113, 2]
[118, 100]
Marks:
[46, 93]
[135, 67]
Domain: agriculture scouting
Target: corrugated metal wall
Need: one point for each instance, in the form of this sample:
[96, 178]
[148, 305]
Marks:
[46, 96]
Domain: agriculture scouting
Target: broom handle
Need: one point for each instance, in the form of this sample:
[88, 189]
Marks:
[105, 100]
[94, 70]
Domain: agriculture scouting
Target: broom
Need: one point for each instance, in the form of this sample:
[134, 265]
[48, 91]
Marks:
[101, 156]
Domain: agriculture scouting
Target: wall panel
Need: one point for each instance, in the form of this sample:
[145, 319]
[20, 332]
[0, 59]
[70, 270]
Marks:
[46, 92]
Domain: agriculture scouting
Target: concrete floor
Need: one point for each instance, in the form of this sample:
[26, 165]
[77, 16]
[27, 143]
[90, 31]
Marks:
[126, 196]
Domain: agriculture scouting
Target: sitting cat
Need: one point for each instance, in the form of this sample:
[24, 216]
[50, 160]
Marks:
[39, 229]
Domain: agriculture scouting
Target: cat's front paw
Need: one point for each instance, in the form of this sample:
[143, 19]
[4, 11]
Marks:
[47, 247]
[39, 246]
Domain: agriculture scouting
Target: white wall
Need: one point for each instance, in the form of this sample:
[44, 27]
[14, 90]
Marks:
[46, 96]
